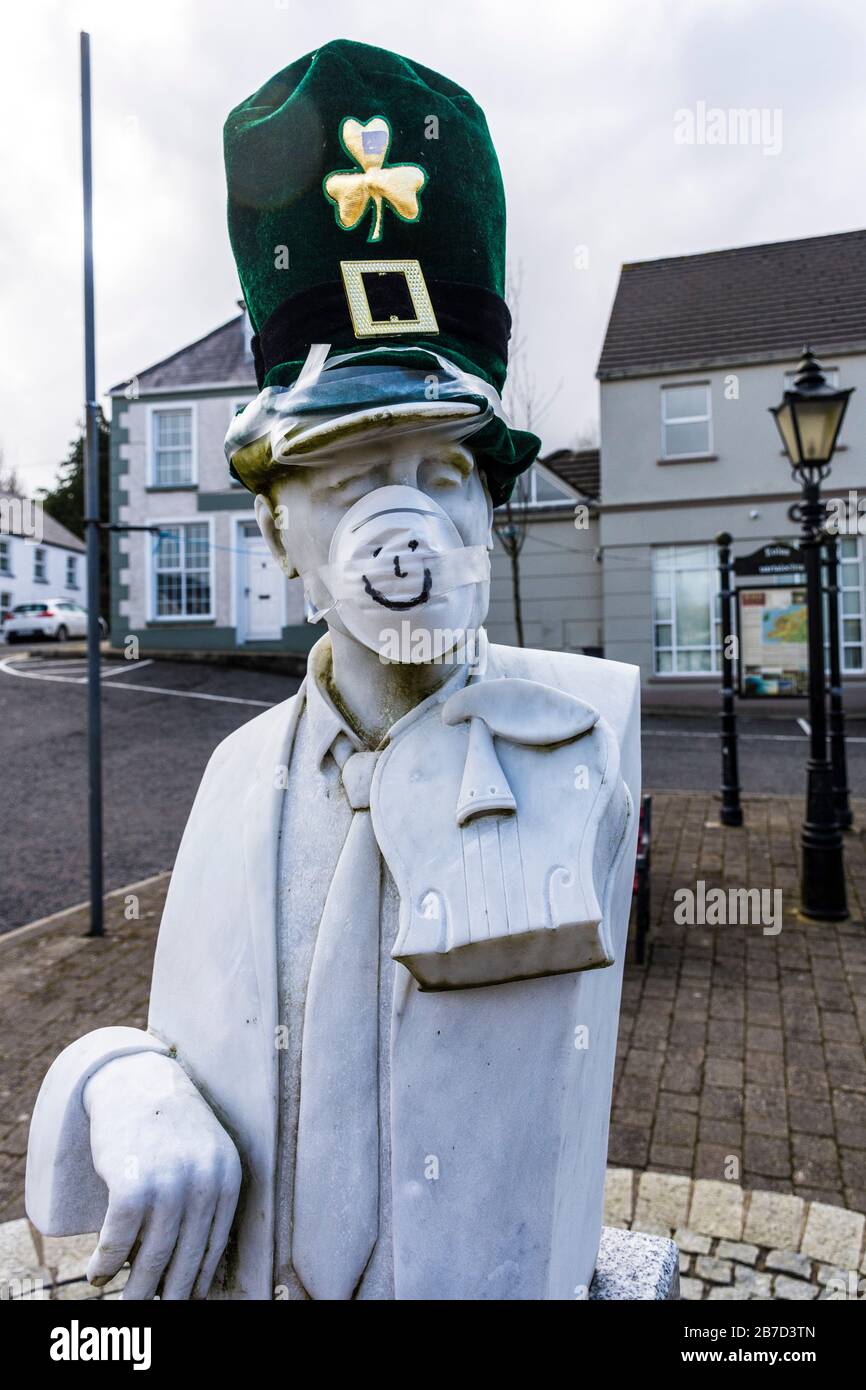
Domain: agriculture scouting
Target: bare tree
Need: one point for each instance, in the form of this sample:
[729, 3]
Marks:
[586, 437]
[10, 483]
[526, 403]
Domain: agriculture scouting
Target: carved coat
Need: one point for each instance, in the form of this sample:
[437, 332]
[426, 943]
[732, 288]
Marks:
[513, 858]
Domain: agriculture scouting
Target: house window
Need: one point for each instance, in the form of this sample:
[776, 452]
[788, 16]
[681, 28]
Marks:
[5, 558]
[5, 601]
[686, 424]
[72, 571]
[181, 566]
[851, 604]
[687, 628]
[544, 488]
[172, 448]
[39, 565]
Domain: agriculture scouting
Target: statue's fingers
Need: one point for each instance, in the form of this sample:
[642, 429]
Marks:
[161, 1228]
[219, 1233]
[119, 1232]
[191, 1247]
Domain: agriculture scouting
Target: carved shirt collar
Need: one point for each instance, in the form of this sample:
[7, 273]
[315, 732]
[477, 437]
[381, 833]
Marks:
[328, 723]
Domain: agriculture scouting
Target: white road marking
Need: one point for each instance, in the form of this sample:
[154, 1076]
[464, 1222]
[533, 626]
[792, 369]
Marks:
[118, 670]
[806, 727]
[9, 664]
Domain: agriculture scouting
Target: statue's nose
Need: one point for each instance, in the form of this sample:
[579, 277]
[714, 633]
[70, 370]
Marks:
[401, 574]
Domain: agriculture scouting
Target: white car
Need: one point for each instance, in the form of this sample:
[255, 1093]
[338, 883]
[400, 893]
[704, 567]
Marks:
[57, 618]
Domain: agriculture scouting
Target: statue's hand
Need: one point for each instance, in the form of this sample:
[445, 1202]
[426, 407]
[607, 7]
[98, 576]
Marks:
[173, 1177]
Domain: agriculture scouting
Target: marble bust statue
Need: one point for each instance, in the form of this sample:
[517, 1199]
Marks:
[384, 1007]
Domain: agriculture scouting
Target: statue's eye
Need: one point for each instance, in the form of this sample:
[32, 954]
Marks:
[376, 551]
[413, 545]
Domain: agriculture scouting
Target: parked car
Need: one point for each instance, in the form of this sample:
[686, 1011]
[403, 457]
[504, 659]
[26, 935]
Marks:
[56, 618]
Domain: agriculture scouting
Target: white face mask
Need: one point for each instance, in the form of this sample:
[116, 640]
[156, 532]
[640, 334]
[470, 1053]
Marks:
[400, 578]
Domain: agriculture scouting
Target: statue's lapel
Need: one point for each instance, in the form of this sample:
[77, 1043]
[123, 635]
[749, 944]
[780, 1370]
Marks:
[263, 808]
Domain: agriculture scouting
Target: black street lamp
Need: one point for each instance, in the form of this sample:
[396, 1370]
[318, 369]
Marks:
[809, 420]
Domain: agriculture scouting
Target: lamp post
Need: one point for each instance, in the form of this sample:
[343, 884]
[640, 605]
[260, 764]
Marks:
[809, 420]
[732, 811]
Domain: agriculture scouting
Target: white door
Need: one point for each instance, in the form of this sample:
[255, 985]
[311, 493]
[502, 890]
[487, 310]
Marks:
[261, 588]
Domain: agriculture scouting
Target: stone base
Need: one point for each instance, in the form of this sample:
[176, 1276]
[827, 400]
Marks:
[632, 1265]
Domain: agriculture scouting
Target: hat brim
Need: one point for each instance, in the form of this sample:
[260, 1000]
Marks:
[303, 445]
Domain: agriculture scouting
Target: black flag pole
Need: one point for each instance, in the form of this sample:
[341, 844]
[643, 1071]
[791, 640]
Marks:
[91, 517]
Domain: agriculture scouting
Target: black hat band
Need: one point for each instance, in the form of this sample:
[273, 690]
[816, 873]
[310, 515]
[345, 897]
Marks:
[321, 314]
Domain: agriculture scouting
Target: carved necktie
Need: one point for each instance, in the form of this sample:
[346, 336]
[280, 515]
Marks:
[336, 1194]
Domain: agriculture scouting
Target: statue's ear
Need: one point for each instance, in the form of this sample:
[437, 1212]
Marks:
[273, 529]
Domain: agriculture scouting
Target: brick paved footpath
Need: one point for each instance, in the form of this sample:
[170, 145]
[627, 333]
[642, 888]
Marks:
[732, 1043]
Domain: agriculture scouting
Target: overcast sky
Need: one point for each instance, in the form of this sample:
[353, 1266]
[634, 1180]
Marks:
[581, 99]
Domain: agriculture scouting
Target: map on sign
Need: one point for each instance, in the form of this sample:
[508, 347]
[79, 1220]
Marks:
[786, 624]
[774, 634]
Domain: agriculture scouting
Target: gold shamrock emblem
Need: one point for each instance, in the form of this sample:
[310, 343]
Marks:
[396, 184]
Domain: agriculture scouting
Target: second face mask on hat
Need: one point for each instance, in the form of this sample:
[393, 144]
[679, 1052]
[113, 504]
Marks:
[398, 568]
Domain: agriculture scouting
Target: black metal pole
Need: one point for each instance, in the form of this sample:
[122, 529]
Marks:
[838, 756]
[822, 893]
[92, 518]
[732, 811]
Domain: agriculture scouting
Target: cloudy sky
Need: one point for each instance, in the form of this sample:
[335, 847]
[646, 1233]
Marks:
[582, 99]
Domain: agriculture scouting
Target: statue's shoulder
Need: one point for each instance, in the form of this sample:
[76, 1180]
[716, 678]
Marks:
[245, 745]
[591, 678]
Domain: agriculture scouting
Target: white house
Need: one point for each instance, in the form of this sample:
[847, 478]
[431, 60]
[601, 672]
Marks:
[39, 558]
[696, 351]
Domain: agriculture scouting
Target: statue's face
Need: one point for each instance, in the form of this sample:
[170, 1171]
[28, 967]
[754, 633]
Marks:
[309, 503]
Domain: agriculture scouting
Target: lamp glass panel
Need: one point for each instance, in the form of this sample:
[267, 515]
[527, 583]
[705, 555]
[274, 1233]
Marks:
[785, 422]
[818, 421]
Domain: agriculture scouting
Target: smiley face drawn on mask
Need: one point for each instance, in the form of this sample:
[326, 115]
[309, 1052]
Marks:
[400, 605]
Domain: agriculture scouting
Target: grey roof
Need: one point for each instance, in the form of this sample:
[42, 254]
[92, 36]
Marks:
[220, 357]
[52, 531]
[751, 303]
[579, 468]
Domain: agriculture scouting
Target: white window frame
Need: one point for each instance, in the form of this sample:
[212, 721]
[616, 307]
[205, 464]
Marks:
[852, 589]
[155, 408]
[40, 560]
[72, 560]
[566, 500]
[716, 636]
[150, 542]
[686, 419]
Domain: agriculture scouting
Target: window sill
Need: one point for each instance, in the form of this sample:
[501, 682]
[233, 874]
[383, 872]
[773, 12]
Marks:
[191, 620]
[691, 458]
[687, 677]
[172, 487]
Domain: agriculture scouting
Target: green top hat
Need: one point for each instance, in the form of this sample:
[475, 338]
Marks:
[366, 211]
